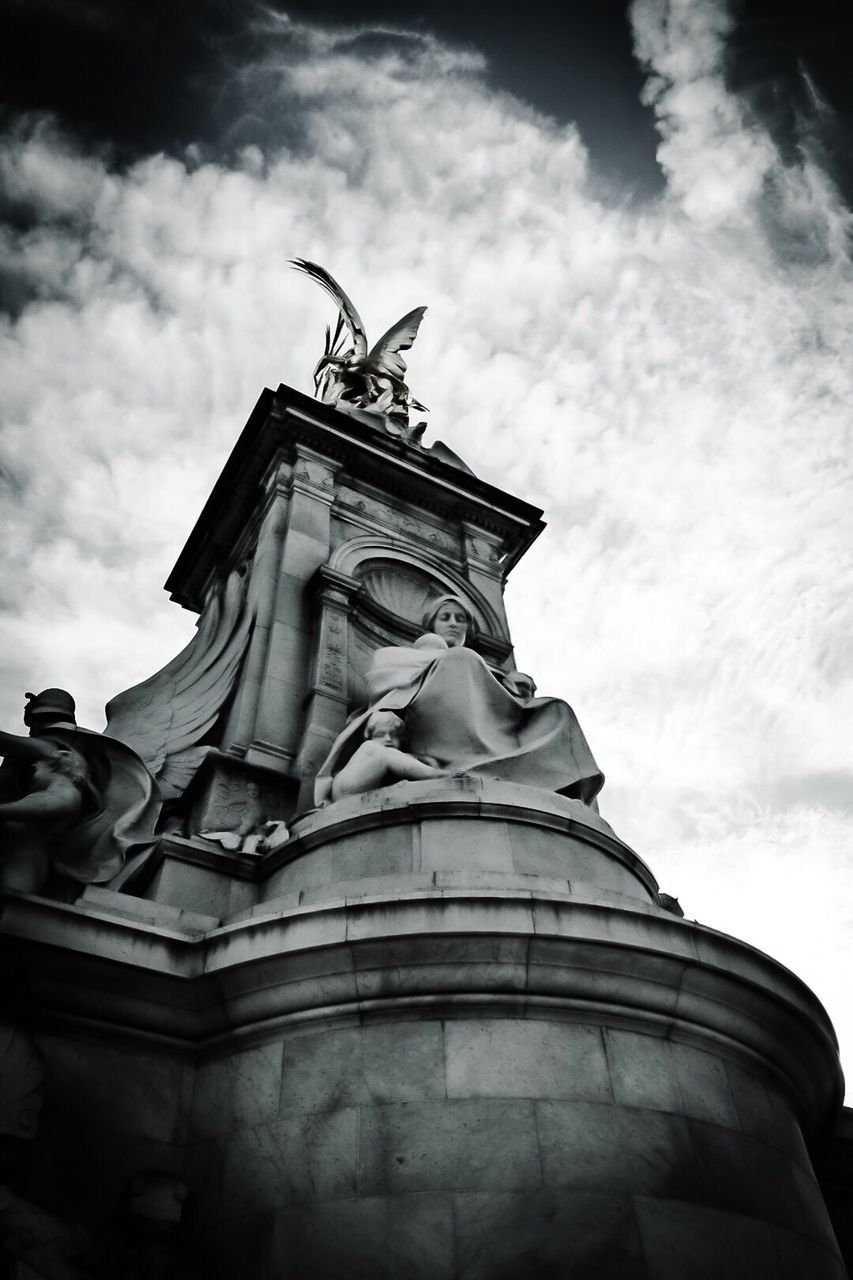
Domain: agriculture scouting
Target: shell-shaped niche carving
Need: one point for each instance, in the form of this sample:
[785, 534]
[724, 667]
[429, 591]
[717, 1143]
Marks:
[403, 590]
[21, 1081]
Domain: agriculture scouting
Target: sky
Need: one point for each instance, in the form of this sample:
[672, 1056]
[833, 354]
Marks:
[631, 226]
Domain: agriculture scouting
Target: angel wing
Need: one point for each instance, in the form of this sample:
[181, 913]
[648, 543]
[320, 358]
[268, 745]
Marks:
[341, 300]
[165, 717]
[385, 355]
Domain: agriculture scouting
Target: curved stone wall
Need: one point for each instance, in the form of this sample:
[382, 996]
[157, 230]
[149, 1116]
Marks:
[455, 1037]
[458, 833]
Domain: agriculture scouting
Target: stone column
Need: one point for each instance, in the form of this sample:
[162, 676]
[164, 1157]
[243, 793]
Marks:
[240, 726]
[482, 559]
[278, 724]
[326, 710]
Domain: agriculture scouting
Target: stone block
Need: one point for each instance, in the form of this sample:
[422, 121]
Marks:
[587, 867]
[192, 888]
[369, 1238]
[537, 851]
[370, 887]
[692, 1242]
[476, 1144]
[121, 1091]
[82, 1170]
[746, 1176]
[277, 906]
[384, 851]
[642, 1073]
[298, 1159]
[617, 975]
[704, 1086]
[423, 965]
[525, 1058]
[244, 1247]
[201, 1169]
[757, 1114]
[237, 1091]
[547, 1233]
[509, 882]
[307, 871]
[426, 916]
[228, 790]
[458, 844]
[601, 1147]
[363, 1065]
[799, 1258]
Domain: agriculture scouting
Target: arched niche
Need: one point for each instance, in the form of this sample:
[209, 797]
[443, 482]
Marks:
[373, 592]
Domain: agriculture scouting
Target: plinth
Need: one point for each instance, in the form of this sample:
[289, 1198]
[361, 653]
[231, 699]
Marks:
[445, 1031]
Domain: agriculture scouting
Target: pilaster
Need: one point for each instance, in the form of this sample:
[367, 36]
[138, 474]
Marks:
[306, 546]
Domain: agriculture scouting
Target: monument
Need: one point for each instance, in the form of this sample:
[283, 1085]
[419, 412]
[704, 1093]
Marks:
[382, 993]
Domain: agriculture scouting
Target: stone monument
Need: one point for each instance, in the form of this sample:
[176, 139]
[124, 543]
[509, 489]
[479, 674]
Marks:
[389, 996]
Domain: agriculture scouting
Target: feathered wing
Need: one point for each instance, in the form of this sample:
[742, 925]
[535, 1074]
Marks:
[164, 718]
[385, 355]
[341, 300]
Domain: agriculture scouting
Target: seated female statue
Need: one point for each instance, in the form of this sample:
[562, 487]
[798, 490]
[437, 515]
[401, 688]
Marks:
[466, 716]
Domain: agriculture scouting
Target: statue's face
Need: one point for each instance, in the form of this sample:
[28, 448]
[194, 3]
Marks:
[451, 623]
[386, 728]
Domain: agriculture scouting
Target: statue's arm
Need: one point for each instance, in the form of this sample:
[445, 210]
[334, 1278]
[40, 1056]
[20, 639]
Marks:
[60, 799]
[28, 750]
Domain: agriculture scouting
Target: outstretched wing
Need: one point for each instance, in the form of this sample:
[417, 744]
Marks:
[343, 303]
[172, 711]
[385, 355]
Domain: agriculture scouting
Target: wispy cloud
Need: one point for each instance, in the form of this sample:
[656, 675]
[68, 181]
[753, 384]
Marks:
[672, 383]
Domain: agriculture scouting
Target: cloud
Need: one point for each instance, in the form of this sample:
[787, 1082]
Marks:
[671, 382]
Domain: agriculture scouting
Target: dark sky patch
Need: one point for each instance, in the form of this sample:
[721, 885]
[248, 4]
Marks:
[164, 75]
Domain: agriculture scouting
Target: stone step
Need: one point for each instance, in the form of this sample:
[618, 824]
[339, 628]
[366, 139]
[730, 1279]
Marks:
[141, 909]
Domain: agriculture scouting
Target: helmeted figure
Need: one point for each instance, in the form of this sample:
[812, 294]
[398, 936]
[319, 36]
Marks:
[73, 803]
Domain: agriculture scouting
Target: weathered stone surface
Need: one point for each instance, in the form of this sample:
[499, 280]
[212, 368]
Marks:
[548, 1232]
[295, 1160]
[693, 1242]
[240, 1089]
[471, 846]
[747, 1176]
[371, 1238]
[448, 1146]
[479, 1074]
[363, 1065]
[703, 1085]
[600, 1147]
[642, 1073]
[124, 1090]
[525, 1058]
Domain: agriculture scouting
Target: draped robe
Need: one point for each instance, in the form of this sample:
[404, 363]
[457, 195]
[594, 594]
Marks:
[457, 711]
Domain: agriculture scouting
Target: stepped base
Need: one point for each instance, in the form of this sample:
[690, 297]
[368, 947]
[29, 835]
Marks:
[445, 1031]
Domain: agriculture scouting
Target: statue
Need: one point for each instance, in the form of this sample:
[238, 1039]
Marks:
[248, 829]
[465, 716]
[382, 759]
[167, 718]
[73, 804]
[357, 379]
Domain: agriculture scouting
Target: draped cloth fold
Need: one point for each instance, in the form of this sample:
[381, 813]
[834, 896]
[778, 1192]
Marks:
[456, 710]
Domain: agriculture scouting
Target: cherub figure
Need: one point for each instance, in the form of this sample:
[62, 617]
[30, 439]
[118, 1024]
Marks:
[382, 759]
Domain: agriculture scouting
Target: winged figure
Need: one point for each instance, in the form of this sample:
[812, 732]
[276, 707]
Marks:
[167, 718]
[357, 378]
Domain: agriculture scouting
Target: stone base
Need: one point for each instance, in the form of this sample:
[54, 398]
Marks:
[504, 1061]
[229, 793]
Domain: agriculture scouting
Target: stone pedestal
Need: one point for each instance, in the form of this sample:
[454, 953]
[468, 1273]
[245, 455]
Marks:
[445, 1031]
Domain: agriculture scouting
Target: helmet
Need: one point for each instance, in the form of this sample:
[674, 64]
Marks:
[55, 702]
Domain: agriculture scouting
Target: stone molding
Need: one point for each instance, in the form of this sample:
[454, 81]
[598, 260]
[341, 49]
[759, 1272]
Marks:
[501, 951]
